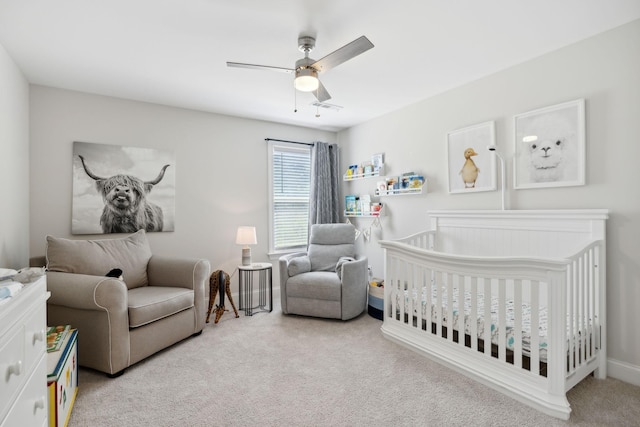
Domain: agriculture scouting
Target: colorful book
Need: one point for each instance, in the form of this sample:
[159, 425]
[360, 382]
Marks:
[350, 204]
[56, 336]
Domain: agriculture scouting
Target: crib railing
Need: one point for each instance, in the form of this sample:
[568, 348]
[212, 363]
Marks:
[585, 309]
[568, 291]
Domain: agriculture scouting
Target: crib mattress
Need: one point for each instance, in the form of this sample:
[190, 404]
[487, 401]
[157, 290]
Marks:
[495, 332]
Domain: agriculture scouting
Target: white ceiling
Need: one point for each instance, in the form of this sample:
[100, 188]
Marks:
[174, 52]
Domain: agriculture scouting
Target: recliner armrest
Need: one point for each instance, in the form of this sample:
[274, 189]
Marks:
[87, 292]
[355, 271]
[283, 262]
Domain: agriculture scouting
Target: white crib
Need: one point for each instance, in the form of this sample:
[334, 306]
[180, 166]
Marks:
[525, 270]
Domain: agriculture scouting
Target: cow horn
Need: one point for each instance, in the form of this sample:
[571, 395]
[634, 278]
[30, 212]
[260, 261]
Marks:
[91, 174]
[159, 178]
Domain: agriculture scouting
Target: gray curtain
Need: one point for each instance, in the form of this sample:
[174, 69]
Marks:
[324, 204]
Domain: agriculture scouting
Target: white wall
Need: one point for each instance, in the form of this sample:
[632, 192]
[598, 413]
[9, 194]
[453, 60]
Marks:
[14, 171]
[605, 70]
[221, 169]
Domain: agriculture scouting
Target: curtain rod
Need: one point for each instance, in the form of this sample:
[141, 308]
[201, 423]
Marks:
[291, 142]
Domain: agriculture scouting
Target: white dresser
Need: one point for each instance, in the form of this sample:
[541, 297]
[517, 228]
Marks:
[23, 362]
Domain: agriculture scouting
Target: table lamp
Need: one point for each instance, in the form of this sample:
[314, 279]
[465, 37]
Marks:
[246, 236]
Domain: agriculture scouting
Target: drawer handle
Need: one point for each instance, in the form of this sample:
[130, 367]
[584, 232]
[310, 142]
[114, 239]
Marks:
[39, 404]
[15, 369]
[38, 336]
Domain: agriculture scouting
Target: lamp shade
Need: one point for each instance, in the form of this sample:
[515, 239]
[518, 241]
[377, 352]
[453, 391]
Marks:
[306, 80]
[246, 236]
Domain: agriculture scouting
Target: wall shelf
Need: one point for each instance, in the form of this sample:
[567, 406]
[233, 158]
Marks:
[399, 192]
[362, 215]
[374, 174]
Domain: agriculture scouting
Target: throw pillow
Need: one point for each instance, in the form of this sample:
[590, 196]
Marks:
[301, 264]
[131, 254]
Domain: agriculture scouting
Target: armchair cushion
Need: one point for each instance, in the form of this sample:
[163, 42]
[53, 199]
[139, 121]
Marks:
[328, 243]
[131, 254]
[150, 303]
[319, 285]
[299, 265]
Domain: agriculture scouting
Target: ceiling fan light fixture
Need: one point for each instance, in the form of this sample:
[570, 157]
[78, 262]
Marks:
[306, 80]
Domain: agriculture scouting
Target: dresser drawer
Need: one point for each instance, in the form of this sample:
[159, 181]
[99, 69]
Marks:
[35, 336]
[31, 408]
[12, 368]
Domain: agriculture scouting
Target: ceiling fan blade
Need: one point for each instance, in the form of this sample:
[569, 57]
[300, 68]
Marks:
[260, 67]
[321, 93]
[343, 54]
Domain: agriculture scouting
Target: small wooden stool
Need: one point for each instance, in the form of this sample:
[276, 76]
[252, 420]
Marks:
[219, 281]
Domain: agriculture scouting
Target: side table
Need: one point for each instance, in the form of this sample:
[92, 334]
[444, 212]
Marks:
[265, 287]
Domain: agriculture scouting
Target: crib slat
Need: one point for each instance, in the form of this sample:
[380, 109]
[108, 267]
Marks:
[410, 285]
[517, 323]
[420, 284]
[487, 316]
[392, 285]
[473, 315]
[502, 320]
[438, 303]
[418, 276]
[582, 357]
[591, 314]
[449, 283]
[573, 317]
[535, 328]
[461, 308]
[401, 287]
[431, 277]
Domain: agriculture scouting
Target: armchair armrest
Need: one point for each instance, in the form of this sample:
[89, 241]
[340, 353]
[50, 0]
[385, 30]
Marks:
[85, 292]
[98, 307]
[354, 287]
[190, 273]
[177, 272]
[283, 269]
[284, 266]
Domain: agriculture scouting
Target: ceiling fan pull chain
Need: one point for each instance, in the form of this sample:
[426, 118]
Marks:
[295, 100]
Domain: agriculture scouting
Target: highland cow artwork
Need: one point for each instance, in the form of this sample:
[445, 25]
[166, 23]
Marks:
[118, 189]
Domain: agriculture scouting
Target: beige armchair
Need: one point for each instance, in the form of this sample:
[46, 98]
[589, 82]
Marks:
[159, 301]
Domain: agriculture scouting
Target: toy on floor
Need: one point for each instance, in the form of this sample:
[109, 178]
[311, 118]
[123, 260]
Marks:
[220, 281]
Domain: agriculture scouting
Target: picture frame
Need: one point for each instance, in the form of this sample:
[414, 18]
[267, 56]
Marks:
[148, 174]
[476, 172]
[377, 160]
[550, 146]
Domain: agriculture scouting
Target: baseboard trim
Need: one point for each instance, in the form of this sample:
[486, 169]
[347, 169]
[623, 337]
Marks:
[623, 371]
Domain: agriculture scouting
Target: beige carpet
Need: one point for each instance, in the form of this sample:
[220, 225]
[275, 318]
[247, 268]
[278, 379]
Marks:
[276, 370]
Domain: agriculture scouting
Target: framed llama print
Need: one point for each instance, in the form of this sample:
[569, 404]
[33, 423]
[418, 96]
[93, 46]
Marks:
[550, 146]
[472, 167]
[119, 189]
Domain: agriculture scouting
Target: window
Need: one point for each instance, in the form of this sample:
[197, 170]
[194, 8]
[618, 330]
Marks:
[289, 185]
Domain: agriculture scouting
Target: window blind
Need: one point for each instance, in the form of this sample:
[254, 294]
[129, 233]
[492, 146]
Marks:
[291, 179]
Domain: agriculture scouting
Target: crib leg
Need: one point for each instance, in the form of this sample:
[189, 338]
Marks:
[601, 371]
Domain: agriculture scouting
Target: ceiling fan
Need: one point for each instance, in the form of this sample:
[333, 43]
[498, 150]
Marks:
[307, 69]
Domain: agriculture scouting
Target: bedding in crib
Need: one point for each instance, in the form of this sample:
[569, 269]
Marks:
[495, 333]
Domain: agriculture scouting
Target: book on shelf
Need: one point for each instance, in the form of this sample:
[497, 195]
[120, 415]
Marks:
[56, 336]
[350, 204]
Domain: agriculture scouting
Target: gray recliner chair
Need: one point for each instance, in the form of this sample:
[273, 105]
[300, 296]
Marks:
[329, 280]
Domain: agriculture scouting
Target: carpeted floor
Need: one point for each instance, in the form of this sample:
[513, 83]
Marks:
[276, 370]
